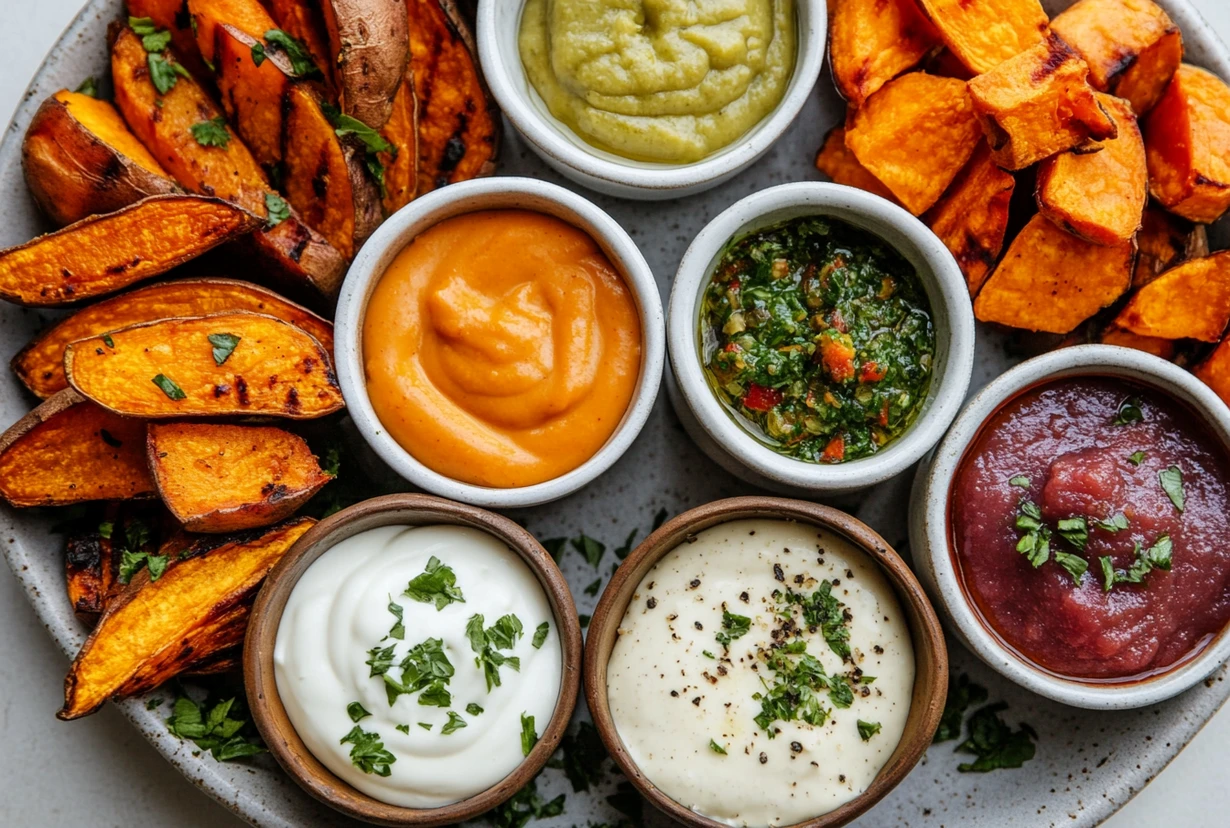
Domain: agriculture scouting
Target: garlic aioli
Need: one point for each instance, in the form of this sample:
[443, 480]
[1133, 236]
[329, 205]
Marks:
[339, 611]
[679, 697]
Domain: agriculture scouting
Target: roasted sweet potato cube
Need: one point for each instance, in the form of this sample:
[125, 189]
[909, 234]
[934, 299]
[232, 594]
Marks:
[873, 41]
[837, 162]
[1189, 301]
[1049, 280]
[224, 478]
[1114, 335]
[972, 216]
[985, 33]
[1187, 141]
[1132, 47]
[1165, 240]
[1037, 104]
[1098, 190]
[915, 135]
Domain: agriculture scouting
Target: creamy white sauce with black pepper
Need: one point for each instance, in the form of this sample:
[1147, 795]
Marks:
[679, 697]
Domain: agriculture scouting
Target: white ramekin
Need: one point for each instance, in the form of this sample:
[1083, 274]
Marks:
[930, 536]
[724, 440]
[499, 22]
[468, 197]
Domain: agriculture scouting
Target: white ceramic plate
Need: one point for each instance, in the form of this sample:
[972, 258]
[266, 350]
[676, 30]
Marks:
[1088, 764]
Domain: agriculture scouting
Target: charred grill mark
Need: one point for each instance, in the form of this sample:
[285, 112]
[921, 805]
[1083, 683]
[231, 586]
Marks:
[292, 400]
[274, 492]
[320, 179]
[1058, 53]
[241, 386]
[221, 390]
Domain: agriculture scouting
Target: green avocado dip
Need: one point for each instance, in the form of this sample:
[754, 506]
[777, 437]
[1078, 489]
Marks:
[818, 337]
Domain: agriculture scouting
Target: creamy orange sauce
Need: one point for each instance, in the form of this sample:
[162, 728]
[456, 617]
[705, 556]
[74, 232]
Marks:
[501, 348]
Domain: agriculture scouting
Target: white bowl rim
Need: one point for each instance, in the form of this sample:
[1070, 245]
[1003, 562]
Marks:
[467, 197]
[941, 278]
[1080, 360]
[662, 178]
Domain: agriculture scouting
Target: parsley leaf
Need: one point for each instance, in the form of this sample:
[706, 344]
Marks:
[403, 728]
[825, 611]
[716, 748]
[380, 660]
[453, 724]
[344, 125]
[258, 53]
[525, 805]
[356, 711]
[622, 552]
[487, 644]
[1172, 483]
[131, 563]
[540, 635]
[169, 387]
[473, 709]
[425, 667]
[163, 73]
[425, 725]
[840, 693]
[1035, 544]
[1129, 412]
[733, 627]
[529, 736]
[962, 694]
[584, 619]
[593, 588]
[1136, 458]
[590, 549]
[867, 729]
[659, 519]
[368, 753]
[300, 59]
[89, 86]
[399, 629]
[223, 346]
[211, 133]
[152, 38]
[156, 564]
[995, 743]
[437, 584]
[108, 341]
[582, 755]
[277, 208]
[212, 728]
[1157, 556]
[1020, 481]
[555, 547]
[1115, 523]
[792, 696]
[1074, 564]
[1074, 530]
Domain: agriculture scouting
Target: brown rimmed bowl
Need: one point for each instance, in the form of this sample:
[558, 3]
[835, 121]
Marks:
[270, 716]
[930, 653]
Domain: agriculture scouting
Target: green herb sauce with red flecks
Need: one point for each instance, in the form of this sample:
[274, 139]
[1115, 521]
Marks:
[818, 338]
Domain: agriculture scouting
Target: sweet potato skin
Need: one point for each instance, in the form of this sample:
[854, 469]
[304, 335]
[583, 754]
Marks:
[68, 450]
[1050, 280]
[871, 42]
[1037, 104]
[835, 160]
[1186, 139]
[915, 135]
[972, 217]
[88, 574]
[80, 159]
[401, 170]
[984, 34]
[275, 370]
[1164, 241]
[369, 45]
[151, 621]
[102, 254]
[1132, 47]
[1189, 301]
[40, 365]
[459, 123]
[1098, 191]
[224, 478]
[251, 95]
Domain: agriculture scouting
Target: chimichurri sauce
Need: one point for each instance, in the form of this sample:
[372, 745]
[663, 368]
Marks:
[819, 337]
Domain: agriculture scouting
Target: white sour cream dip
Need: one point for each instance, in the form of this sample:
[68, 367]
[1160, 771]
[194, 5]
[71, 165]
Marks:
[679, 697]
[339, 611]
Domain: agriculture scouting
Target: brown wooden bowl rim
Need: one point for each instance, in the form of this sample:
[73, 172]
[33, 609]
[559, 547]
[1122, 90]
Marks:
[925, 631]
[269, 714]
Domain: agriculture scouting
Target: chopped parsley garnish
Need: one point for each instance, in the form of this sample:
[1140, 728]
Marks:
[424, 668]
[425, 725]
[658, 519]
[1075, 530]
[1074, 564]
[152, 38]
[823, 611]
[211, 133]
[373, 142]
[1115, 523]
[716, 748]
[623, 551]
[962, 694]
[223, 346]
[368, 753]
[108, 341]
[277, 208]
[134, 557]
[1136, 458]
[154, 703]
[169, 387]
[867, 729]
[708, 654]
[582, 755]
[437, 584]
[404, 728]
[380, 660]
[593, 588]
[1129, 412]
[454, 723]
[473, 709]
[525, 805]
[398, 630]
[793, 694]
[555, 547]
[163, 73]
[502, 635]
[1035, 544]
[1157, 556]
[540, 635]
[529, 736]
[89, 87]
[840, 693]
[258, 53]
[105, 529]
[995, 743]
[1172, 483]
[590, 549]
[1020, 481]
[214, 729]
[733, 626]
[584, 619]
[356, 711]
[300, 59]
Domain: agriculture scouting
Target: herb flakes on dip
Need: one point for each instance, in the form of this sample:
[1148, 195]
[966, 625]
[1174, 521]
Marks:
[819, 337]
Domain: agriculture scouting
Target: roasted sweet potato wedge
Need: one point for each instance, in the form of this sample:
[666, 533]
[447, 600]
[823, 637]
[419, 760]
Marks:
[915, 135]
[247, 16]
[837, 162]
[1098, 190]
[1189, 301]
[1215, 370]
[1187, 141]
[80, 159]
[873, 41]
[151, 622]
[1037, 104]
[1164, 241]
[301, 19]
[1049, 280]
[102, 254]
[972, 217]
[401, 164]
[326, 180]
[369, 46]
[218, 636]
[1132, 47]
[252, 94]
[173, 16]
[68, 450]
[224, 661]
[459, 123]
[40, 365]
[236, 363]
[224, 478]
[1114, 335]
[985, 33]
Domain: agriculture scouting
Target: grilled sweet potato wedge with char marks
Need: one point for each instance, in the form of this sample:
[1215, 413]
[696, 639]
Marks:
[247, 16]
[252, 95]
[369, 45]
[224, 478]
[401, 167]
[254, 365]
[1189, 301]
[80, 159]
[69, 450]
[985, 33]
[173, 16]
[1187, 142]
[873, 41]
[301, 19]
